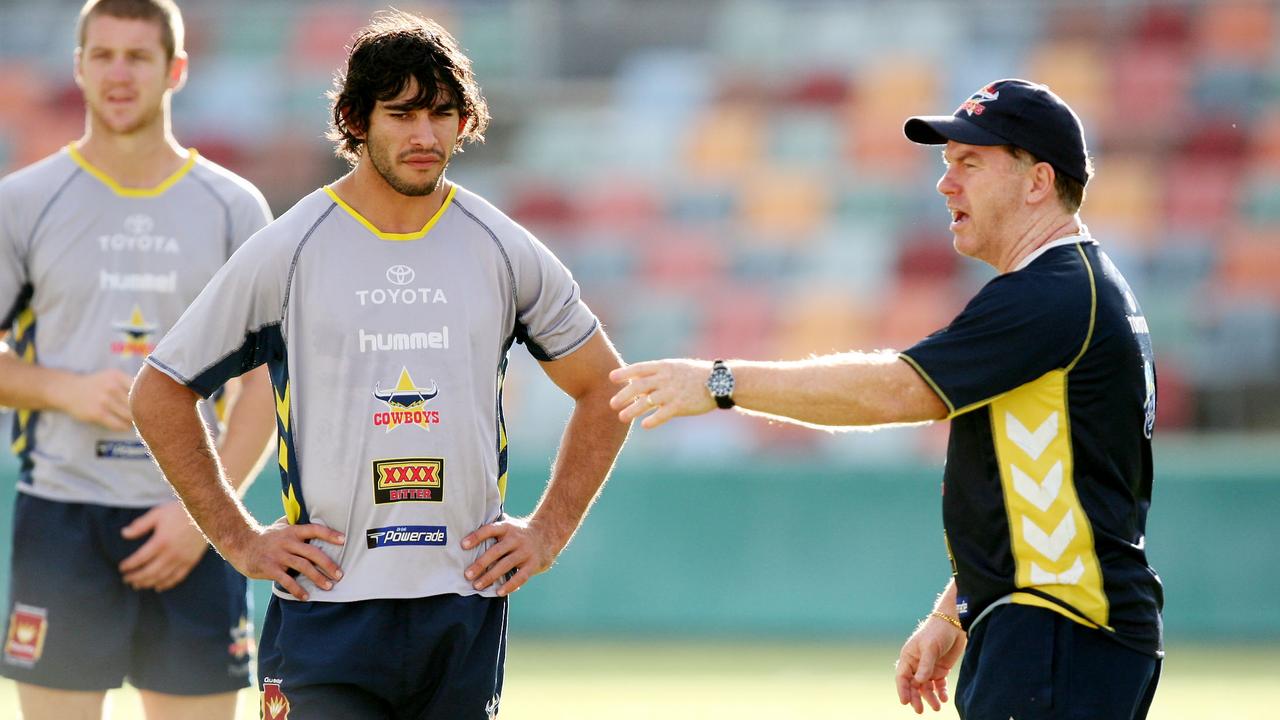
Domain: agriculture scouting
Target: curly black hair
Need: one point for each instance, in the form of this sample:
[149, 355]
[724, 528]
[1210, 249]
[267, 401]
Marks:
[394, 49]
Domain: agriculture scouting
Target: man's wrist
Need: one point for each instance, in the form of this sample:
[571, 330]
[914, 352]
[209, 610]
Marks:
[949, 619]
[720, 385]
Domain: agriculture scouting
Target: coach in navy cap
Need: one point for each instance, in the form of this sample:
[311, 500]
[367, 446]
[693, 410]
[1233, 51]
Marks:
[1048, 380]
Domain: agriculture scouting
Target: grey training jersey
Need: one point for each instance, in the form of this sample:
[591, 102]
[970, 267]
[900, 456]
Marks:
[91, 276]
[387, 353]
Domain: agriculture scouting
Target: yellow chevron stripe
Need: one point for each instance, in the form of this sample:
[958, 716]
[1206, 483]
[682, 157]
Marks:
[282, 408]
[292, 510]
[23, 418]
[23, 323]
[284, 456]
[1032, 405]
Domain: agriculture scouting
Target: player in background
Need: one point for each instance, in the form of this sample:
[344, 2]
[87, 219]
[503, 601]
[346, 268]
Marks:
[102, 247]
[1048, 378]
[385, 306]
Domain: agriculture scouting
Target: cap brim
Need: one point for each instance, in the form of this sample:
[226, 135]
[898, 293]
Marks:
[938, 129]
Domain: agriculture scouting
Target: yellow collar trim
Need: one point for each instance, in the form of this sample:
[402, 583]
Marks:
[394, 236]
[123, 191]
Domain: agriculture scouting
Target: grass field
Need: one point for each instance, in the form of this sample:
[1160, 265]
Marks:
[631, 680]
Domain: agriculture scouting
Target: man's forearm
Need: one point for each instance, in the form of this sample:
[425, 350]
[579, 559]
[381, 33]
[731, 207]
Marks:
[588, 448]
[946, 602]
[848, 389]
[167, 419]
[28, 386]
[249, 428]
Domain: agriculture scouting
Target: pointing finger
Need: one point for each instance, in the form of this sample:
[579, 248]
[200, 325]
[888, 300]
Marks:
[629, 372]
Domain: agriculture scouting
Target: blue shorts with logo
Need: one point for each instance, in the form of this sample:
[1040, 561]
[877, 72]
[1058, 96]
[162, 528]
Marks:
[432, 658]
[73, 624]
[1031, 663]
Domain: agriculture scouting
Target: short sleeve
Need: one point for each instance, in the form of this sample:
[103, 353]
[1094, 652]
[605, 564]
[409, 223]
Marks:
[234, 325]
[249, 214]
[13, 264]
[551, 318]
[1017, 328]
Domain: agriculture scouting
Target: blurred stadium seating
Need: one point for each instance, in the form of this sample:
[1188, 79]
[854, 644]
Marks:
[730, 178]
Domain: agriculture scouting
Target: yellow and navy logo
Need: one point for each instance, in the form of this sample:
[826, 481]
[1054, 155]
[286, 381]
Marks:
[136, 335]
[406, 404]
[408, 480]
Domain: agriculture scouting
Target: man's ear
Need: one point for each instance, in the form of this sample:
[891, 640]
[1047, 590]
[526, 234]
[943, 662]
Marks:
[352, 124]
[178, 71]
[77, 59]
[1043, 178]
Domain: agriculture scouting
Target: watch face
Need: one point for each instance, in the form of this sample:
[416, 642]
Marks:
[720, 383]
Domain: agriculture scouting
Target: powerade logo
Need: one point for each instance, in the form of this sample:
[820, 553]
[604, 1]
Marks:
[406, 535]
[121, 450]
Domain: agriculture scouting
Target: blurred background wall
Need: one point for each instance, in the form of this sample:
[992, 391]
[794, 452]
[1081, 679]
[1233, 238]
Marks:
[730, 179]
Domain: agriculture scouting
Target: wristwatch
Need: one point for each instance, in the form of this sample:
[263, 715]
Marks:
[720, 385]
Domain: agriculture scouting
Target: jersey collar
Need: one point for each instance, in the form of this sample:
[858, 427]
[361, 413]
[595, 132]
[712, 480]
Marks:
[123, 191]
[1081, 237]
[448, 200]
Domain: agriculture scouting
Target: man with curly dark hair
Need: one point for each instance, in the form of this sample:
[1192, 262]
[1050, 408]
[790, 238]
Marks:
[384, 306]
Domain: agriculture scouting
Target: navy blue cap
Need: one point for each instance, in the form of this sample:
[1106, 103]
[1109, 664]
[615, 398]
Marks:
[1012, 112]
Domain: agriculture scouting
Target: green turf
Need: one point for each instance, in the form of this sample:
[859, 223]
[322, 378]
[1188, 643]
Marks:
[630, 679]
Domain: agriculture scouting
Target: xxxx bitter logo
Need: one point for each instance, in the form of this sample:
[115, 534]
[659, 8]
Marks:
[25, 642]
[275, 706]
[408, 480]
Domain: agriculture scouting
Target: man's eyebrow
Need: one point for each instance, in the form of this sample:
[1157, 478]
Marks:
[958, 156]
[406, 106]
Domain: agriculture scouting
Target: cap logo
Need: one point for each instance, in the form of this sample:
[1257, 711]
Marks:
[974, 105]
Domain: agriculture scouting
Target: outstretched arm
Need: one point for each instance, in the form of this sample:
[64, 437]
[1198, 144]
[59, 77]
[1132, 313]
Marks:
[588, 447]
[166, 416]
[848, 389]
[929, 654]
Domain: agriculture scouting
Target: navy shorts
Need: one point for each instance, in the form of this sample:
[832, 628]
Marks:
[1031, 663]
[73, 624]
[432, 658]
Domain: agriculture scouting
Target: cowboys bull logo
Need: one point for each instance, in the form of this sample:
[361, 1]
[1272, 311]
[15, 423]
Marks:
[405, 404]
[275, 706]
[136, 334]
